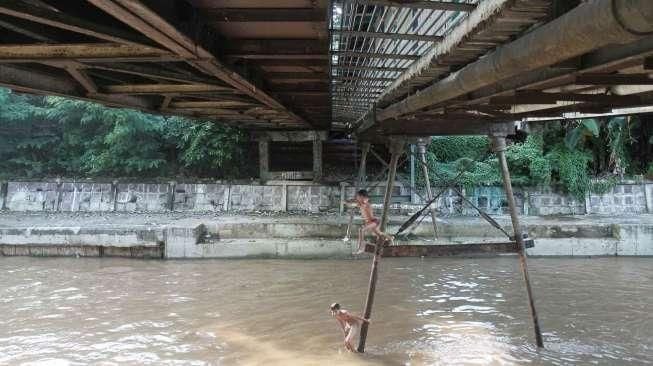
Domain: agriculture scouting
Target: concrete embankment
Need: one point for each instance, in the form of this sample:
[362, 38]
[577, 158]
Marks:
[178, 235]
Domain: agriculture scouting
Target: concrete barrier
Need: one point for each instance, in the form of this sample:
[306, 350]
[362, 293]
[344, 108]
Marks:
[628, 198]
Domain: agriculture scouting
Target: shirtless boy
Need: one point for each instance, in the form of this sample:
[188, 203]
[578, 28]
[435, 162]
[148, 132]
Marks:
[371, 223]
[349, 323]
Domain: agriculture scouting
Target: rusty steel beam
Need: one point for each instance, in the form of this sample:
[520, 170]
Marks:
[27, 29]
[449, 250]
[614, 79]
[210, 104]
[37, 82]
[154, 72]
[41, 15]
[140, 17]
[588, 27]
[499, 147]
[36, 52]
[82, 78]
[164, 88]
[535, 97]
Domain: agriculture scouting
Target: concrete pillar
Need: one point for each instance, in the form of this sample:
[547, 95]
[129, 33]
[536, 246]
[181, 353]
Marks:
[499, 146]
[4, 189]
[172, 186]
[114, 194]
[264, 159]
[648, 194]
[227, 198]
[284, 198]
[317, 159]
[59, 194]
[588, 203]
[343, 198]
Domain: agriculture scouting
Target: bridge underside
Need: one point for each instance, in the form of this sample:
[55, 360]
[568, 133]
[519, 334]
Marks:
[250, 64]
[372, 67]
[520, 60]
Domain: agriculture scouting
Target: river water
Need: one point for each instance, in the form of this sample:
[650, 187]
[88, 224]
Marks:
[273, 312]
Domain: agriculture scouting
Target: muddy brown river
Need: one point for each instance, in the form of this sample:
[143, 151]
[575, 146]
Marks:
[57, 311]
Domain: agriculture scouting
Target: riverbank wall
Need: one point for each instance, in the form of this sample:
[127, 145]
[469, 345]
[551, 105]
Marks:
[296, 236]
[626, 198]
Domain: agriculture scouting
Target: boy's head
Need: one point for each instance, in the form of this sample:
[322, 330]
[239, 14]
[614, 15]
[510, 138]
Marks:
[362, 195]
[334, 308]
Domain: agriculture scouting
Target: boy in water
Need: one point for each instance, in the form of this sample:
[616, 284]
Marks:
[349, 323]
[362, 200]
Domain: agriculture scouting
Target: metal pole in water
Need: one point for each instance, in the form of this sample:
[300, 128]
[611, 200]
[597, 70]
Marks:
[396, 149]
[499, 146]
[429, 194]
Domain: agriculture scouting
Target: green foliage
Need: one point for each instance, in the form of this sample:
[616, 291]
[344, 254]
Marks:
[584, 129]
[571, 168]
[603, 185]
[448, 156]
[59, 136]
[618, 139]
[527, 163]
[455, 147]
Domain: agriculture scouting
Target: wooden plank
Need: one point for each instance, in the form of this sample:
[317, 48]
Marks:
[614, 79]
[264, 15]
[36, 52]
[413, 4]
[163, 88]
[385, 35]
[41, 15]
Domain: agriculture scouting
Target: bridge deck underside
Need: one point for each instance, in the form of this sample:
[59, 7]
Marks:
[613, 77]
[250, 64]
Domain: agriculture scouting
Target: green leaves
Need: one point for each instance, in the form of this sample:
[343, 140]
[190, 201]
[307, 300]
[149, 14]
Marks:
[60, 136]
[585, 128]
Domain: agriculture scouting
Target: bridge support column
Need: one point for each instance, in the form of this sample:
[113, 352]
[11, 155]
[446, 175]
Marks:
[396, 150]
[264, 159]
[421, 147]
[499, 146]
[365, 149]
[317, 159]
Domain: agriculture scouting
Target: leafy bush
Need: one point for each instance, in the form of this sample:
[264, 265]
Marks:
[571, 169]
[44, 136]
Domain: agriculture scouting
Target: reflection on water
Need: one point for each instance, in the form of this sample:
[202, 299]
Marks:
[439, 311]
